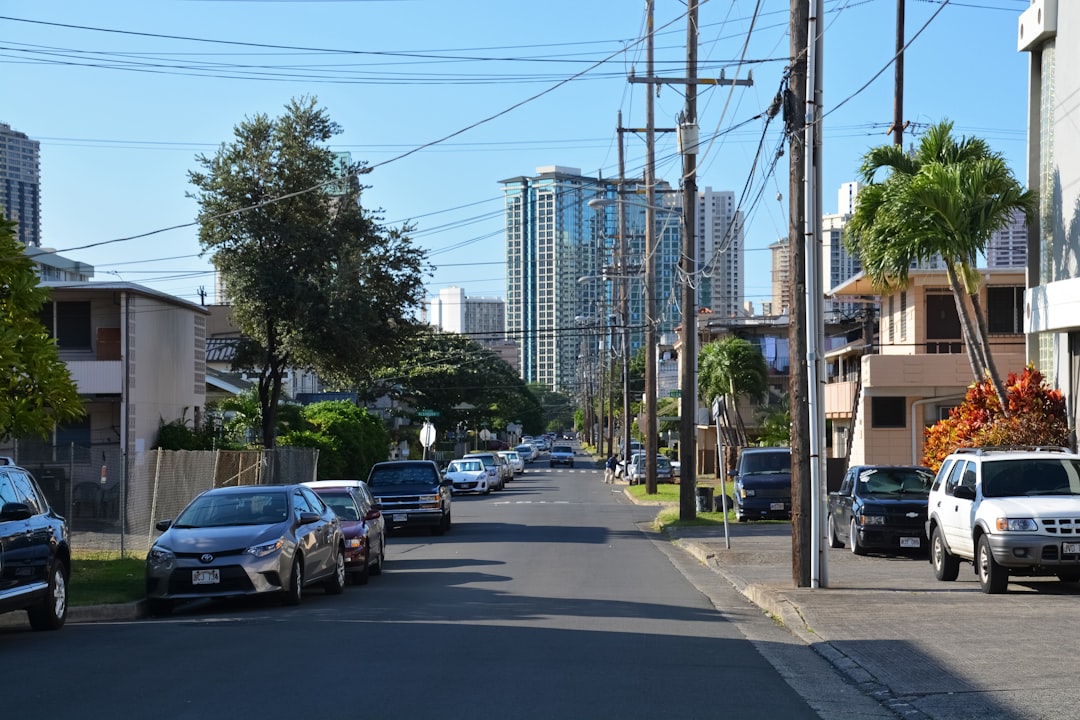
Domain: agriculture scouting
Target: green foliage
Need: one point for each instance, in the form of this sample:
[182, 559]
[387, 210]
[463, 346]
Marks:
[349, 439]
[559, 410]
[36, 390]
[313, 279]
[1037, 416]
[178, 434]
[775, 428]
[461, 380]
[732, 366]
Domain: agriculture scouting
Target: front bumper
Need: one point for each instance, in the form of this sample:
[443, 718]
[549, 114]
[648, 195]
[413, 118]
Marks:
[892, 538]
[763, 508]
[237, 575]
[1017, 551]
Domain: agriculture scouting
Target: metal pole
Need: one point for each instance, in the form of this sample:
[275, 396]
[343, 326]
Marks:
[624, 297]
[898, 85]
[650, 263]
[688, 355]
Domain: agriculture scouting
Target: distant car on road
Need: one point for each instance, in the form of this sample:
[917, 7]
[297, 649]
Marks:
[503, 473]
[561, 455]
[516, 462]
[664, 471]
[880, 507]
[527, 451]
[470, 475]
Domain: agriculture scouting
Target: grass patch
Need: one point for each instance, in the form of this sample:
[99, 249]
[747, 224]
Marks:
[106, 579]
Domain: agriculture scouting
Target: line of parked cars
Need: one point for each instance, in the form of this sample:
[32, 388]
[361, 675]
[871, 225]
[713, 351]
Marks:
[485, 472]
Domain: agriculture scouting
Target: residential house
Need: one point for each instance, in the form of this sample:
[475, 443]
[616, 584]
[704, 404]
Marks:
[882, 394]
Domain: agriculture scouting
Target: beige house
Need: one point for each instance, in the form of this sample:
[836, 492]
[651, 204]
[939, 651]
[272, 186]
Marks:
[880, 397]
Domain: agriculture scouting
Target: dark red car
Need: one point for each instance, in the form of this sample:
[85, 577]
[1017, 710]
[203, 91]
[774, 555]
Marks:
[362, 524]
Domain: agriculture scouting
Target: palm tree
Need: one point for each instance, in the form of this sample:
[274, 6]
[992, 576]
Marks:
[944, 199]
[732, 368]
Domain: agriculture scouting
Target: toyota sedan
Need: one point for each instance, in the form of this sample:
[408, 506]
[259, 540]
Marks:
[250, 540]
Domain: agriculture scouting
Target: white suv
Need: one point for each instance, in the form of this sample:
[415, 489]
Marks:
[1008, 511]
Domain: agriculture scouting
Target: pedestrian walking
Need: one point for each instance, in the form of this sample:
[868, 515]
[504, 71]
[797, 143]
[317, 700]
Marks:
[609, 469]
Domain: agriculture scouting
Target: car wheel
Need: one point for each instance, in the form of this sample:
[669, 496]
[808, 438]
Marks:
[159, 607]
[360, 577]
[571, 463]
[336, 584]
[551, 464]
[946, 566]
[853, 538]
[993, 579]
[51, 612]
[1070, 576]
[834, 542]
[376, 569]
[487, 489]
[294, 590]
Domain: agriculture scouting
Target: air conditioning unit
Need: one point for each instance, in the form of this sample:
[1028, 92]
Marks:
[1037, 24]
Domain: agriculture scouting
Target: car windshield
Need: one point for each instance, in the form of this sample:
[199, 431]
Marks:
[226, 509]
[488, 460]
[766, 463]
[419, 474]
[342, 504]
[1029, 477]
[566, 449]
[465, 466]
[894, 481]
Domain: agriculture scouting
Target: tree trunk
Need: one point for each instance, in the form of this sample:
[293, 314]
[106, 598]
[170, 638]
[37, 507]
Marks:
[984, 338]
[978, 367]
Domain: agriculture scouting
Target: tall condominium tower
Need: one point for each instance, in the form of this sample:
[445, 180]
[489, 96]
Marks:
[1007, 247]
[719, 230]
[20, 184]
[839, 265]
[564, 271]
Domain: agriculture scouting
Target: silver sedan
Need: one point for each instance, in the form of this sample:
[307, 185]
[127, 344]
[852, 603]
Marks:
[245, 541]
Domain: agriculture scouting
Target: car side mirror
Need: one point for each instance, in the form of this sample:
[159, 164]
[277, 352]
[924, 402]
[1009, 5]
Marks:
[163, 525]
[307, 518]
[732, 473]
[964, 492]
[15, 511]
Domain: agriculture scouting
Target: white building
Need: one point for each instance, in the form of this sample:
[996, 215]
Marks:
[718, 228]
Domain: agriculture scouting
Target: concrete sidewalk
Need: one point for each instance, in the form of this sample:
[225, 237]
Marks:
[922, 647]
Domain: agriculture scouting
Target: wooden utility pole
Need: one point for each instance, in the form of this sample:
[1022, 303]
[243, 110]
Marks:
[650, 262]
[801, 496]
[688, 353]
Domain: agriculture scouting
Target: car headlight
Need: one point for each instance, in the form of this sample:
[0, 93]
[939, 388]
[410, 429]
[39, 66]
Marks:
[353, 542]
[1016, 525]
[266, 548]
[871, 519]
[745, 493]
[430, 501]
[160, 558]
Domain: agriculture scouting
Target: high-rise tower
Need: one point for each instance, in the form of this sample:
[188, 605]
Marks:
[20, 184]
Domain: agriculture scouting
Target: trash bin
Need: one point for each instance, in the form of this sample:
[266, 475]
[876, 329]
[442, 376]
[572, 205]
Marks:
[704, 498]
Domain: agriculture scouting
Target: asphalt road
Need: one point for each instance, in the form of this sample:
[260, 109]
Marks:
[550, 599]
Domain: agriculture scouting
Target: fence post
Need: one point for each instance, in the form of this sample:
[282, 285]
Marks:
[123, 497]
[153, 499]
[71, 484]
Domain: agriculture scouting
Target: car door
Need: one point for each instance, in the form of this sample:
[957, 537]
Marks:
[954, 512]
[14, 542]
[310, 536]
[841, 505]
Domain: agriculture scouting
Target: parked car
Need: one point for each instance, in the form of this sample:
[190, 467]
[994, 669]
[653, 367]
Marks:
[880, 507]
[527, 451]
[763, 484]
[35, 551]
[362, 525]
[561, 455]
[412, 493]
[1008, 512]
[469, 475]
[502, 468]
[516, 462]
[246, 540]
[636, 473]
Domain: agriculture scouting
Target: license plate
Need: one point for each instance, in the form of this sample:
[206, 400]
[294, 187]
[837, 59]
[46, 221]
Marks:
[776, 506]
[1070, 548]
[400, 517]
[910, 542]
[205, 577]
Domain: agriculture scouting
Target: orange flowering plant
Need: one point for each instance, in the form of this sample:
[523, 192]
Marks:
[1036, 417]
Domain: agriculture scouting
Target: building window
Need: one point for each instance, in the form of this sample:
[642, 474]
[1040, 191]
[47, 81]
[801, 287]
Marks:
[888, 412]
[903, 315]
[68, 322]
[1004, 310]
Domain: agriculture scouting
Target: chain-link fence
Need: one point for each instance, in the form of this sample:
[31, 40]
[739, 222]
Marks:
[109, 512]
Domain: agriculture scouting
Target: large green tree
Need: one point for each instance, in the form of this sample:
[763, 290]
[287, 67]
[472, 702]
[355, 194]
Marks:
[462, 381]
[349, 438]
[944, 200]
[313, 279]
[38, 390]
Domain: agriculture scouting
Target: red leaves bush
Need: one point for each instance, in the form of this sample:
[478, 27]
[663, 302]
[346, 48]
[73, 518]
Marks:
[1036, 417]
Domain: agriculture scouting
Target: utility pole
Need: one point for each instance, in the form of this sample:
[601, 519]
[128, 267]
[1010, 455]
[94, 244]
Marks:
[898, 85]
[650, 260]
[624, 297]
[688, 354]
[801, 498]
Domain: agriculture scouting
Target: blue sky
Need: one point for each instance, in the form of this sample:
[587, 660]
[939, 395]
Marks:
[123, 94]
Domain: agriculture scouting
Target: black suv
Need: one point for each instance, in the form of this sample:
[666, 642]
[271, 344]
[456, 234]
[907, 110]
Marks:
[35, 554]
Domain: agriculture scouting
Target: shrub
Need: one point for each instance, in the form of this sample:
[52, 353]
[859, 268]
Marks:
[1036, 417]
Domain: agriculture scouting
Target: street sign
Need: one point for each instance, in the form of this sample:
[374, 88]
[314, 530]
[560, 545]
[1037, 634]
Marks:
[428, 413]
[427, 435]
[674, 393]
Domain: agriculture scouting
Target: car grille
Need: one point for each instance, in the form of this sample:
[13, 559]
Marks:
[233, 579]
[772, 493]
[1061, 526]
[898, 517]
